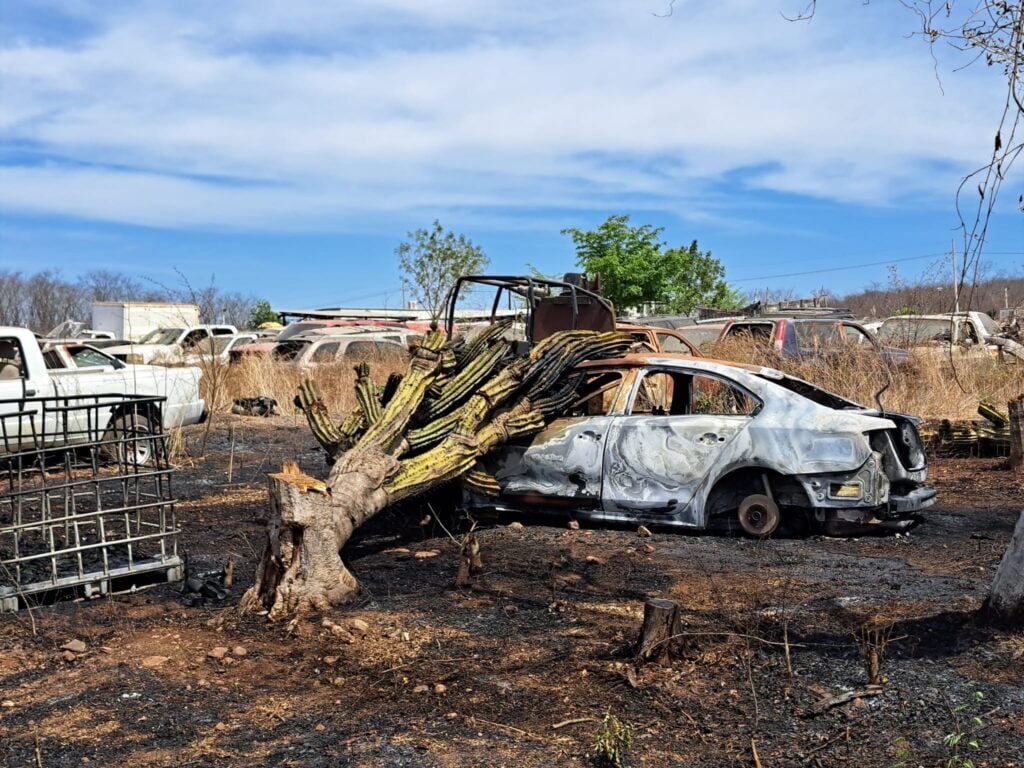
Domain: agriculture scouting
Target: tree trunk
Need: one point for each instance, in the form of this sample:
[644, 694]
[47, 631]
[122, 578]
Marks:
[1016, 413]
[660, 628]
[1005, 603]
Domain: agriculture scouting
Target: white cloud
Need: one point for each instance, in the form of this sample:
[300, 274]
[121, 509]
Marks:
[321, 113]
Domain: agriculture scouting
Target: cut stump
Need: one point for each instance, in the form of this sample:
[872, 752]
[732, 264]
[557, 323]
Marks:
[659, 634]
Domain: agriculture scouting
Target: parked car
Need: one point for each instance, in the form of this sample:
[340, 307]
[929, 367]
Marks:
[965, 330]
[311, 350]
[28, 375]
[264, 347]
[703, 335]
[811, 337]
[169, 346]
[660, 339]
[682, 441]
[218, 349]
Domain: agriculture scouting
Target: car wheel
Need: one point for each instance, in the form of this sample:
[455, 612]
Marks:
[758, 516]
[130, 446]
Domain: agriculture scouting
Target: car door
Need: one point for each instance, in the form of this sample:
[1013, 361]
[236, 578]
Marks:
[563, 465]
[677, 426]
[21, 417]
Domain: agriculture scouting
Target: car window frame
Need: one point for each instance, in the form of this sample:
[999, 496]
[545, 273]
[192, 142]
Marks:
[643, 371]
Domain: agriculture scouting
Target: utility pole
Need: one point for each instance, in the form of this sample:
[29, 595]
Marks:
[956, 283]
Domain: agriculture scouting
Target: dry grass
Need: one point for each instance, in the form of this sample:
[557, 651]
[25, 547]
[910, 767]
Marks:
[263, 376]
[933, 385]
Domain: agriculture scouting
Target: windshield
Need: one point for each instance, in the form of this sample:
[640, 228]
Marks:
[162, 336]
[812, 392]
[911, 331]
[288, 350]
[988, 324]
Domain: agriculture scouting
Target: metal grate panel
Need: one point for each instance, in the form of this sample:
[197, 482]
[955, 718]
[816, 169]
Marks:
[85, 497]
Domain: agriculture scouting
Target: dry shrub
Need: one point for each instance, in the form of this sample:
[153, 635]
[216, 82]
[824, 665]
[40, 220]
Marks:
[256, 376]
[933, 384]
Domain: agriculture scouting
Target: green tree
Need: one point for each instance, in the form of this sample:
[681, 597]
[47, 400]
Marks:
[261, 312]
[432, 260]
[636, 268]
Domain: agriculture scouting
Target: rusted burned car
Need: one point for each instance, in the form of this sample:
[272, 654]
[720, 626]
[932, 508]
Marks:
[683, 441]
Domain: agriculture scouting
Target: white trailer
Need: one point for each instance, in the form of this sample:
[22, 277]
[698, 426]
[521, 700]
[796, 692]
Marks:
[131, 320]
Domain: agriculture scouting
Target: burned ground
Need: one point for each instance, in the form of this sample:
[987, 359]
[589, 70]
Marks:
[444, 677]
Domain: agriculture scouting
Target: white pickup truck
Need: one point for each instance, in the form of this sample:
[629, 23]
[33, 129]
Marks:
[31, 385]
[172, 346]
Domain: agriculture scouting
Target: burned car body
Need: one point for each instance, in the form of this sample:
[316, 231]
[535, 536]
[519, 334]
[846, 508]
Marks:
[682, 441]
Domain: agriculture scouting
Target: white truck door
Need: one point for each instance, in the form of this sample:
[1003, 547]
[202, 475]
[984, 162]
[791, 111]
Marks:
[20, 416]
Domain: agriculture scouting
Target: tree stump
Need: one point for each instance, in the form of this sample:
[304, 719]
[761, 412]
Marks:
[660, 628]
[1005, 603]
[1016, 412]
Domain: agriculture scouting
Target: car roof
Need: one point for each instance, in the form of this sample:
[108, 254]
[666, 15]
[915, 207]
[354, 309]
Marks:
[641, 359]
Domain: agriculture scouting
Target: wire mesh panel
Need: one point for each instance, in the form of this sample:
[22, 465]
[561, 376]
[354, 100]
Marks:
[85, 497]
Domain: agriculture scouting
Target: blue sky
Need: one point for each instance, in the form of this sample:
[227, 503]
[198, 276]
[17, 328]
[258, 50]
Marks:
[284, 148]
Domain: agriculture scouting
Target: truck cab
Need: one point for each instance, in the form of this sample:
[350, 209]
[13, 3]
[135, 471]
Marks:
[168, 346]
[36, 390]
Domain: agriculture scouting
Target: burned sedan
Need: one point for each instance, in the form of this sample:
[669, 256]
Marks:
[679, 441]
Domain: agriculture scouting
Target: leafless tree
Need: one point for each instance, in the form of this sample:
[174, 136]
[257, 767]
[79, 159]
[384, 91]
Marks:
[989, 32]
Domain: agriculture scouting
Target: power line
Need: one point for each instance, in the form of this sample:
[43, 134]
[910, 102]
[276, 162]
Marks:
[864, 264]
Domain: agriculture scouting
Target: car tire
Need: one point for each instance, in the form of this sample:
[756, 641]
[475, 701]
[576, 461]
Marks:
[131, 448]
[758, 516]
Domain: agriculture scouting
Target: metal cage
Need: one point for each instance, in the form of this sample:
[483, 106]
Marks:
[86, 506]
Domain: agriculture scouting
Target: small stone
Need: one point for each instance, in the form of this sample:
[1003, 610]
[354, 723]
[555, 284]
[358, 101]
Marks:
[859, 703]
[515, 526]
[75, 646]
[321, 727]
[421, 689]
[440, 688]
[151, 662]
[220, 727]
[452, 716]
[423, 554]
[68, 656]
[643, 530]
[648, 548]
[330, 660]
[7, 704]
[342, 634]
[358, 625]
[573, 525]
[239, 651]
[217, 653]
[594, 560]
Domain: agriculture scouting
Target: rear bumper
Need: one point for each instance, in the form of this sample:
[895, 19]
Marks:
[920, 498]
[899, 514]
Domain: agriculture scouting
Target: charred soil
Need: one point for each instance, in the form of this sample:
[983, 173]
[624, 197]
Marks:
[420, 673]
